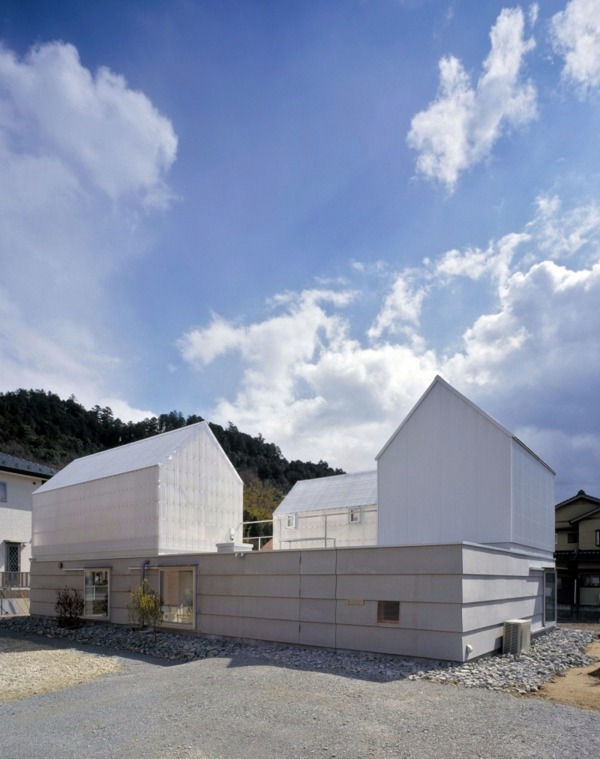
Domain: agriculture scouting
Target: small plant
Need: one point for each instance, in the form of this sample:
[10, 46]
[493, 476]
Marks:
[69, 608]
[145, 606]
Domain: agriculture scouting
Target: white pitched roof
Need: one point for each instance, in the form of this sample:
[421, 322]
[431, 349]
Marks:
[125, 458]
[342, 490]
[440, 381]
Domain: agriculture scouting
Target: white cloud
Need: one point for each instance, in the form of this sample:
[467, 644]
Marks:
[303, 374]
[575, 233]
[111, 137]
[460, 127]
[474, 263]
[81, 157]
[575, 35]
[307, 382]
[401, 310]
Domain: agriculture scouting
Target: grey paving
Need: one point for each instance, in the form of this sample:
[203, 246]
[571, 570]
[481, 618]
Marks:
[241, 706]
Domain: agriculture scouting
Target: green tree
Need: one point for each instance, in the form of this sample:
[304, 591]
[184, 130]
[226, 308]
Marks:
[145, 606]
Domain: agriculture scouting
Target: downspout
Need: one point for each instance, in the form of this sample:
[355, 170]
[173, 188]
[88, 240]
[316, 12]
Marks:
[143, 566]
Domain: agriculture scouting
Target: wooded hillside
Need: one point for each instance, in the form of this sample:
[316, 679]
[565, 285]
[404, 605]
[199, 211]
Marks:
[41, 427]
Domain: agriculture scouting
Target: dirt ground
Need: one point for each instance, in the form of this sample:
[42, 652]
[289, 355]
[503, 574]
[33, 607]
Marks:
[28, 668]
[578, 687]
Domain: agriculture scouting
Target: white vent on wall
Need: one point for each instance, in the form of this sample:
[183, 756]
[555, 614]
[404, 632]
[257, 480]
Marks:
[517, 636]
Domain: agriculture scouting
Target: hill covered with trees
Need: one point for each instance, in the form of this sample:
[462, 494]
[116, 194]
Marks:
[40, 426]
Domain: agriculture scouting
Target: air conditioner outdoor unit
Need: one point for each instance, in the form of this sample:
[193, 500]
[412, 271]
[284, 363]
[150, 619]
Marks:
[517, 636]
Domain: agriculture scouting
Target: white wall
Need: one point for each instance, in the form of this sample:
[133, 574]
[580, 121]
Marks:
[329, 528]
[105, 517]
[445, 476]
[190, 502]
[200, 496]
[449, 595]
[533, 501]
[15, 515]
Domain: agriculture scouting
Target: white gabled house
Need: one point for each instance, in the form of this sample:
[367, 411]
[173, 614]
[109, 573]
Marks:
[172, 493]
[445, 552]
[18, 479]
[451, 472]
[328, 512]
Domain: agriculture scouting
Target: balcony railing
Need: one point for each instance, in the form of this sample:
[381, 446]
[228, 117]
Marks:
[14, 579]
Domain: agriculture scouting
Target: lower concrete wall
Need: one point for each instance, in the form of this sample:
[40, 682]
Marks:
[330, 597]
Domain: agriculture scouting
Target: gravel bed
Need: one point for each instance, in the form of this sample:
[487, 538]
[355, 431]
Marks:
[550, 655]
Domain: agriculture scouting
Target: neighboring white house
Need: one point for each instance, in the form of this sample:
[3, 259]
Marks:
[18, 479]
[328, 512]
[172, 493]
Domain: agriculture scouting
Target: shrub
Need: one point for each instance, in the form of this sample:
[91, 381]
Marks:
[69, 607]
[145, 606]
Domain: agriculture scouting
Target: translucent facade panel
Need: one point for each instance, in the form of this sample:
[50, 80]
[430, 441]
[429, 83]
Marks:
[327, 528]
[98, 518]
[445, 475]
[344, 490]
[189, 501]
[200, 498]
[532, 500]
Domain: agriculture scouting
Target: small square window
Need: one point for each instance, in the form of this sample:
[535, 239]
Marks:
[571, 537]
[290, 522]
[388, 612]
[354, 516]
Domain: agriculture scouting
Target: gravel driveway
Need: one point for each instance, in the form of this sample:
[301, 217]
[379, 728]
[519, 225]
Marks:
[238, 707]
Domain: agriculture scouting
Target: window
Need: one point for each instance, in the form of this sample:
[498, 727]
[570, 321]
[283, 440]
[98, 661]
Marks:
[597, 537]
[589, 581]
[12, 565]
[549, 596]
[2, 492]
[388, 612]
[354, 515]
[290, 522]
[177, 593]
[12, 557]
[571, 537]
[96, 592]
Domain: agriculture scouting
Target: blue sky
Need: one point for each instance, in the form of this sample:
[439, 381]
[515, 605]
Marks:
[293, 215]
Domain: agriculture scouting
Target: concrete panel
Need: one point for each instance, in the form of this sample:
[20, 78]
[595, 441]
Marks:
[317, 586]
[476, 589]
[246, 627]
[438, 617]
[317, 610]
[440, 645]
[250, 606]
[313, 634]
[420, 588]
[482, 615]
[482, 561]
[119, 616]
[287, 586]
[384, 640]
[358, 612]
[41, 609]
[483, 642]
[411, 560]
[318, 562]
[253, 563]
